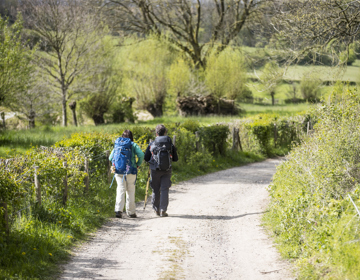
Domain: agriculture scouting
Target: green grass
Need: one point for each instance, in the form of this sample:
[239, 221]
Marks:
[325, 73]
[39, 242]
[281, 109]
[285, 91]
[14, 142]
[43, 238]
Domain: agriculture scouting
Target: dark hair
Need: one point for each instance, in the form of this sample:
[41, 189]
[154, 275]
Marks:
[160, 130]
[128, 134]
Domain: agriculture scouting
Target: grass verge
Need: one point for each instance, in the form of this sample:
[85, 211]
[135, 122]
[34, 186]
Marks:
[43, 238]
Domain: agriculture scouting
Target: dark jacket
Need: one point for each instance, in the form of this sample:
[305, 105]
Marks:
[148, 156]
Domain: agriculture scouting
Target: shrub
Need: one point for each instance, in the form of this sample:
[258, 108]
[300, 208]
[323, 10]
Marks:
[191, 125]
[310, 87]
[226, 74]
[214, 138]
[310, 212]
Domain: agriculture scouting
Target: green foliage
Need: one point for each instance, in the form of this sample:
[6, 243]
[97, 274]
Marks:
[275, 134]
[121, 110]
[348, 56]
[191, 125]
[145, 66]
[310, 212]
[97, 104]
[179, 76]
[44, 235]
[214, 138]
[14, 60]
[103, 87]
[310, 87]
[225, 74]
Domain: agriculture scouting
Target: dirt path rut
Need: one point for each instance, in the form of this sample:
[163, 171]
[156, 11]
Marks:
[213, 232]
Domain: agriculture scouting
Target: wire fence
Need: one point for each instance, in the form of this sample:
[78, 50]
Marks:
[60, 173]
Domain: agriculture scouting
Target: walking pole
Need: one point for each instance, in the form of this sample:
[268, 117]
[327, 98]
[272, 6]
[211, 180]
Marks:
[147, 189]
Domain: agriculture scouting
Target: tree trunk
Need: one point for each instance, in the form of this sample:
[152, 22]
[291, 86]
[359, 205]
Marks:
[32, 119]
[72, 106]
[3, 119]
[155, 109]
[64, 119]
[273, 98]
[64, 109]
[98, 119]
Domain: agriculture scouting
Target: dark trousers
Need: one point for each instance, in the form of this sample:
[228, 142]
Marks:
[160, 184]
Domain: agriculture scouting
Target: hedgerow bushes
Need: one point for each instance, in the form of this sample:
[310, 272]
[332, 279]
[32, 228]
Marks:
[40, 235]
[310, 213]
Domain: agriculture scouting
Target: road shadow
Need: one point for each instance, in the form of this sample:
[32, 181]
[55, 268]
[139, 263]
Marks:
[218, 217]
[83, 268]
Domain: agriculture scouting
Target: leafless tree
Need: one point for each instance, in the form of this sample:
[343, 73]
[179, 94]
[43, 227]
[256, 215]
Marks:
[34, 101]
[304, 25]
[70, 29]
[195, 27]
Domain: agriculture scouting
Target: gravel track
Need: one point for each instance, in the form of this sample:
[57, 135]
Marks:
[213, 232]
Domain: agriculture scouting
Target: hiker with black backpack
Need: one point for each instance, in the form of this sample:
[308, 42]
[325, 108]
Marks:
[160, 153]
[125, 166]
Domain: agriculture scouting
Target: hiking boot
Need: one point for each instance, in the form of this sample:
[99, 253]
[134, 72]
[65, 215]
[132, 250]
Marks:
[163, 213]
[157, 213]
[118, 214]
[132, 216]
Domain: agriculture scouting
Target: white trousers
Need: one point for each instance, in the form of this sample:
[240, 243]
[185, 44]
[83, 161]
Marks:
[125, 185]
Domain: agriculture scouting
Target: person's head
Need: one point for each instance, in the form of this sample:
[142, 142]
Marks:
[160, 130]
[128, 134]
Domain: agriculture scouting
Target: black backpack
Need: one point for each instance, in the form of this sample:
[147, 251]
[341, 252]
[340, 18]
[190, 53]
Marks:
[161, 150]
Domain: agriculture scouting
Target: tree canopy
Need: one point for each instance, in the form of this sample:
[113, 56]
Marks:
[194, 27]
[14, 60]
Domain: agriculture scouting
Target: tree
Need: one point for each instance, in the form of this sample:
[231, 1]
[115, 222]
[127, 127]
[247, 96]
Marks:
[14, 60]
[316, 24]
[270, 78]
[225, 75]
[310, 87]
[73, 33]
[179, 77]
[145, 68]
[194, 27]
[33, 101]
[8, 9]
[102, 88]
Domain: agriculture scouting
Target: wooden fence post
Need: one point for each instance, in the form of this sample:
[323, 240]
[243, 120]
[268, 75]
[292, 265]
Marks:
[239, 141]
[174, 140]
[275, 134]
[37, 186]
[5, 217]
[308, 127]
[87, 178]
[197, 135]
[65, 191]
[3, 119]
[108, 166]
[236, 139]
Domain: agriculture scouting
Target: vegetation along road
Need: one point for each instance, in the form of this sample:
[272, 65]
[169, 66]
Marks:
[213, 232]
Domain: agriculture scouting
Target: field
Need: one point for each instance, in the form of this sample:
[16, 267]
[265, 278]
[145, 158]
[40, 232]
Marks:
[14, 142]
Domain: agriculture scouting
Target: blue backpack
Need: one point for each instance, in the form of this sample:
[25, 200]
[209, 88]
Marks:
[122, 156]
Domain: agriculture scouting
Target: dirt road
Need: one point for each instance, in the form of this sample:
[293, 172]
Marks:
[213, 232]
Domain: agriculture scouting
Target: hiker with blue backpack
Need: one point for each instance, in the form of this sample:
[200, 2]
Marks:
[160, 153]
[125, 165]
